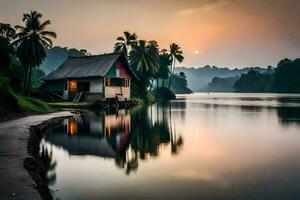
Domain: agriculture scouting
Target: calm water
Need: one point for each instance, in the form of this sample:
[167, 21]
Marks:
[200, 146]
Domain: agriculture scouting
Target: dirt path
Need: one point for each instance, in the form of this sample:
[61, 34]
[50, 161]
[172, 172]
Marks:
[15, 182]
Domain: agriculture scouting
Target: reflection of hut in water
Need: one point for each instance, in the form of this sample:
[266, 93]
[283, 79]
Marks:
[79, 137]
[82, 145]
[117, 124]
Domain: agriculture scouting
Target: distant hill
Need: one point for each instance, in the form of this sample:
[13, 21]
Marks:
[199, 78]
[57, 55]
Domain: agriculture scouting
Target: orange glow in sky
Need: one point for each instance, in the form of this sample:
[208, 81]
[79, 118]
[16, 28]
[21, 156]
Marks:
[228, 33]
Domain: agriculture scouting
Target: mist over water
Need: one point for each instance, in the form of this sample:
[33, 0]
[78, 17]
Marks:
[212, 146]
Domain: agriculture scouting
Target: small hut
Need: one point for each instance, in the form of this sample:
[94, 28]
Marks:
[92, 78]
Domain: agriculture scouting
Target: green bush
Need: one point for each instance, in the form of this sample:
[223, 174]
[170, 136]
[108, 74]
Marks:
[31, 105]
[12, 102]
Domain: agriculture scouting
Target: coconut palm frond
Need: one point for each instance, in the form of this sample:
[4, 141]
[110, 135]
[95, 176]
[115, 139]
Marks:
[121, 38]
[44, 24]
[48, 34]
[125, 43]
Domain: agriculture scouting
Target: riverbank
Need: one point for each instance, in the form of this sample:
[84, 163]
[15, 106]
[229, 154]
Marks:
[15, 149]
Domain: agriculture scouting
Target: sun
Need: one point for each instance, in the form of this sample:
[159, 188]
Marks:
[196, 52]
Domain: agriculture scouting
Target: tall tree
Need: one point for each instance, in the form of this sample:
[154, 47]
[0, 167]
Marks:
[145, 60]
[154, 49]
[31, 41]
[176, 55]
[7, 31]
[125, 43]
[164, 66]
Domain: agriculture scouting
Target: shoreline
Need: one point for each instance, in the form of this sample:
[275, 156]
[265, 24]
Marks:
[21, 169]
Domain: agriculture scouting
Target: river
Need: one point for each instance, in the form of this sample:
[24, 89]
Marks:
[199, 146]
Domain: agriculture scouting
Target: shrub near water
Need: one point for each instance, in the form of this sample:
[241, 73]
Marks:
[31, 105]
[12, 102]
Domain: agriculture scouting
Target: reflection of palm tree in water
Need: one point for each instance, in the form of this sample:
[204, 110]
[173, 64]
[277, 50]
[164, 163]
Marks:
[148, 133]
[175, 143]
[128, 160]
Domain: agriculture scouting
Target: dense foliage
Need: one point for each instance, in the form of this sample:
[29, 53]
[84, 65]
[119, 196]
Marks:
[145, 62]
[148, 62]
[285, 79]
[22, 48]
[7, 31]
[11, 79]
[6, 70]
[179, 84]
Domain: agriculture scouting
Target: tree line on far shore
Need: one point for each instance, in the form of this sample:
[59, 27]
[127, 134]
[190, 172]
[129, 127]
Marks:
[284, 79]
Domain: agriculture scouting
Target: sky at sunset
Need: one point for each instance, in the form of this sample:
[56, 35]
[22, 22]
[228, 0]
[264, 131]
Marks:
[228, 33]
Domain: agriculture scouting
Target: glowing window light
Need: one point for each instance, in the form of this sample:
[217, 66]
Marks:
[73, 85]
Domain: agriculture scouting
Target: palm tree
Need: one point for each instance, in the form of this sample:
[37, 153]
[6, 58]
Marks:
[164, 65]
[145, 59]
[176, 54]
[7, 31]
[126, 43]
[154, 49]
[31, 41]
